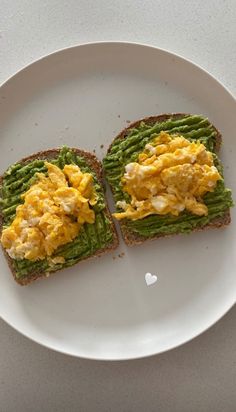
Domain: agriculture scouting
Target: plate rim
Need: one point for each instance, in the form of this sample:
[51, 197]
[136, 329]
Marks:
[119, 42]
[184, 60]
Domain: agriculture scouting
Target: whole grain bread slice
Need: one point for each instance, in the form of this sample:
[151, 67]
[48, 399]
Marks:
[96, 166]
[131, 238]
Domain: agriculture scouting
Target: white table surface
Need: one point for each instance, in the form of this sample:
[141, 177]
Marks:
[201, 375]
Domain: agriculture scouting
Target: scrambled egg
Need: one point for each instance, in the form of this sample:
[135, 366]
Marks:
[53, 211]
[171, 175]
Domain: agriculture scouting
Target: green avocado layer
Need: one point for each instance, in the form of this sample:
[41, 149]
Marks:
[92, 237]
[124, 151]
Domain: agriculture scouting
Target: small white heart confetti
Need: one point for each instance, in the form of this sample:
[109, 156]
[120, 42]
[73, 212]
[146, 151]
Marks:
[150, 279]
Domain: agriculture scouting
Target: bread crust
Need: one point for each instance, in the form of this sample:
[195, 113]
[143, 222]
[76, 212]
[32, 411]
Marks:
[130, 237]
[96, 166]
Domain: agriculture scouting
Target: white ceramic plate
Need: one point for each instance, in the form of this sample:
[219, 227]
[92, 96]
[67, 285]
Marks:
[103, 309]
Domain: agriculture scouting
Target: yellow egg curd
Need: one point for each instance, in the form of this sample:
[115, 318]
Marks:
[172, 174]
[53, 211]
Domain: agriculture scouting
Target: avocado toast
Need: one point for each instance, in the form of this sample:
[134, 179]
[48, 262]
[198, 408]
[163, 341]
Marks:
[92, 239]
[126, 149]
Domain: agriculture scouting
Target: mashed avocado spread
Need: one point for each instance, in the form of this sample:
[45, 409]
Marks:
[124, 151]
[92, 237]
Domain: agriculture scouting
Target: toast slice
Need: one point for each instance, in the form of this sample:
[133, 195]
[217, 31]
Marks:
[131, 141]
[103, 230]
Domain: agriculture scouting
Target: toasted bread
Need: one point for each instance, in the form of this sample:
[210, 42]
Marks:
[133, 238]
[95, 165]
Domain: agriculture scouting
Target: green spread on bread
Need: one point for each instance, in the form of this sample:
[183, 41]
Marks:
[126, 149]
